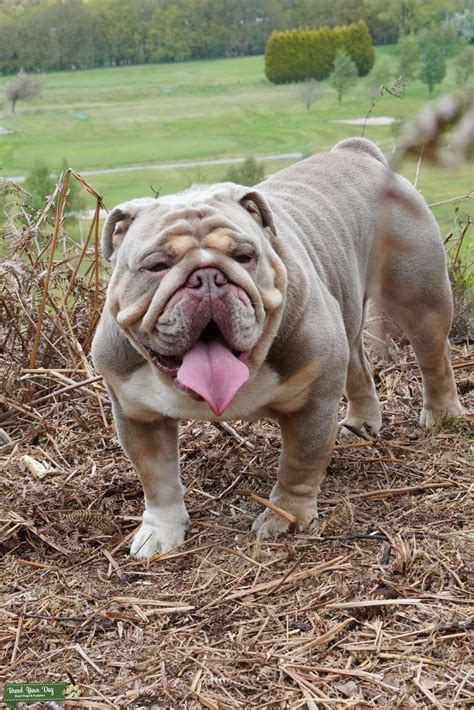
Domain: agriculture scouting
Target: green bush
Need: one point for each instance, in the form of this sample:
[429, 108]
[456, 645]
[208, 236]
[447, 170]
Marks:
[296, 55]
[250, 172]
[41, 182]
[357, 43]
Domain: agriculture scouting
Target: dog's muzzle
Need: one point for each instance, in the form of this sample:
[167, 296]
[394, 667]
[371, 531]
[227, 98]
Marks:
[203, 337]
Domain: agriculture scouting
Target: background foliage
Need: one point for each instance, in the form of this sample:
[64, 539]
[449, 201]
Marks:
[42, 35]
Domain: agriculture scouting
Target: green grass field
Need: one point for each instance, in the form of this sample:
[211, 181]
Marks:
[106, 118]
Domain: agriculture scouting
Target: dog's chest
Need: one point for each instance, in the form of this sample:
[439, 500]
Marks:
[144, 394]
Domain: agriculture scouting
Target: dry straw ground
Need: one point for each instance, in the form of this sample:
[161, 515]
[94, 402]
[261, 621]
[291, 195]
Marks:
[373, 610]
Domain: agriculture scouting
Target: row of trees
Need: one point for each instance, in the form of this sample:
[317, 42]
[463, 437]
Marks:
[41, 35]
[296, 55]
[420, 57]
[424, 56]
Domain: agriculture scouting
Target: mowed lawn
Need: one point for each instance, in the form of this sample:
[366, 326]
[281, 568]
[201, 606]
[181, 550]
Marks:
[133, 116]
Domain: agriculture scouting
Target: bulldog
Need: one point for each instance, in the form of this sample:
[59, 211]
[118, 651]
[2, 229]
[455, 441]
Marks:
[229, 302]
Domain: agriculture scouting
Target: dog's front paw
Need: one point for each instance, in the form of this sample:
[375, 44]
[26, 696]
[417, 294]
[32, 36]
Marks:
[270, 524]
[367, 428]
[162, 530]
[435, 415]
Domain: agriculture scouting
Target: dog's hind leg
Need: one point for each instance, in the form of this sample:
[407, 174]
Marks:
[427, 326]
[363, 409]
[415, 292]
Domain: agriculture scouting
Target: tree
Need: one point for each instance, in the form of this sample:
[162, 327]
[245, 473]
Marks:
[380, 75]
[410, 15]
[433, 66]
[39, 184]
[250, 172]
[400, 14]
[408, 56]
[308, 92]
[445, 38]
[463, 23]
[23, 87]
[343, 75]
[464, 65]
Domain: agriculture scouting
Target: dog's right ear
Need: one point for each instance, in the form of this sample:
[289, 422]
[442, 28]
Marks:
[118, 222]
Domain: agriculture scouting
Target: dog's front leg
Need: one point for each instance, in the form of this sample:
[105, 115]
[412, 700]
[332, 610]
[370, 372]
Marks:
[153, 449]
[308, 442]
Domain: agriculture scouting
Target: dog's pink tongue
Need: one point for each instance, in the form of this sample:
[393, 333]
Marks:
[210, 370]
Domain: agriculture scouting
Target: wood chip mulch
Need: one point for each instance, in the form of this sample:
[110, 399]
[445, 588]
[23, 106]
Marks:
[374, 609]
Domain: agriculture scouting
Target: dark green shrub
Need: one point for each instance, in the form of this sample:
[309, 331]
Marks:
[296, 55]
[358, 46]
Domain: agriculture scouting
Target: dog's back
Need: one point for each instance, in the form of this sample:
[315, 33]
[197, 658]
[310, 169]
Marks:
[359, 224]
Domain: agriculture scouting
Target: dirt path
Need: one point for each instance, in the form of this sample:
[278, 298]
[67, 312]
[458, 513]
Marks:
[179, 164]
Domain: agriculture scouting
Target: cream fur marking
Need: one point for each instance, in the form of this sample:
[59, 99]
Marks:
[144, 394]
[163, 529]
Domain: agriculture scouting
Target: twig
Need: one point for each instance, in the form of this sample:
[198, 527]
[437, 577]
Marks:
[292, 519]
[418, 166]
[328, 636]
[427, 692]
[62, 390]
[86, 658]
[276, 583]
[352, 673]
[468, 196]
[450, 627]
[385, 492]
[235, 434]
[359, 433]
[363, 603]
[120, 574]
[298, 563]
[357, 536]
[19, 627]
[52, 248]
[354, 445]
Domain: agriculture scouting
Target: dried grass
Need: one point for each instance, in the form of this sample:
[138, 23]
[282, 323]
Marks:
[372, 611]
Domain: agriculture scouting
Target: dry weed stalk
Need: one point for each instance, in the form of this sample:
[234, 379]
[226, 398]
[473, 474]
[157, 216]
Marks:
[51, 296]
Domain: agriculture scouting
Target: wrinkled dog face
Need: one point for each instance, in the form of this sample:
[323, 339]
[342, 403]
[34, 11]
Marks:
[197, 286]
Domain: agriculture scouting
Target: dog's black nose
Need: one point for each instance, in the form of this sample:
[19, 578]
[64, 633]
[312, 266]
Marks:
[207, 280]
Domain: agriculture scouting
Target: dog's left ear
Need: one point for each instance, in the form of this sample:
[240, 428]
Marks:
[259, 209]
[118, 222]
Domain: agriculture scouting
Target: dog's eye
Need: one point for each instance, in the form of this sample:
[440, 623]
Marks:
[243, 258]
[159, 266]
